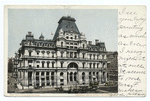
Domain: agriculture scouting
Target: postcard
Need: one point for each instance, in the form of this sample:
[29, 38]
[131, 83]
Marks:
[75, 50]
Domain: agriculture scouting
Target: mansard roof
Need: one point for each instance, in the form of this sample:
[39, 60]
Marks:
[66, 24]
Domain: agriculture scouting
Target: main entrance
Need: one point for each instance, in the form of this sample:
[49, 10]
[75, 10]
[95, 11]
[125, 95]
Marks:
[72, 73]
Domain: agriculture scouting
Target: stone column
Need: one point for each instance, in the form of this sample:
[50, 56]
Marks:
[68, 76]
[87, 77]
[73, 76]
[33, 82]
[45, 78]
[50, 79]
[100, 77]
[26, 78]
[105, 76]
[55, 79]
[40, 79]
[65, 78]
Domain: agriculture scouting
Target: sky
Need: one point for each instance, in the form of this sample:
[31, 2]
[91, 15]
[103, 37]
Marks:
[94, 23]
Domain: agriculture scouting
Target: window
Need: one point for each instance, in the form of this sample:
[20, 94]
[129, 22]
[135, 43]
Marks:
[52, 54]
[83, 45]
[90, 56]
[83, 55]
[71, 47]
[75, 74]
[61, 80]
[29, 53]
[61, 64]
[71, 43]
[52, 64]
[67, 37]
[75, 55]
[37, 66]
[61, 74]
[61, 54]
[97, 65]
[94, 56]
[47, 64]
[83, 64]
[67, 46]
[83, 76]
[75, 43]
[90, 65]
[93, 65]
[71, 38]
[42, 64]
[75, 37]
[71, 74]
[71, 54]
[97, 57]
[37, 53]
[42, 73]
[61, 44]
[75, 47]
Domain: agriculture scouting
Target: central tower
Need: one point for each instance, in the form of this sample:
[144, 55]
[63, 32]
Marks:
[66, 24]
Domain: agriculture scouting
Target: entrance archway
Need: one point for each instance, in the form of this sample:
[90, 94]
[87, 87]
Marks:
[72, 73]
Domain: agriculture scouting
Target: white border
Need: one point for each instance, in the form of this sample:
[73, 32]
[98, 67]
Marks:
[88, 2]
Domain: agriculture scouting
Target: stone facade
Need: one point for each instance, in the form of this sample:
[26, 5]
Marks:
[66, 60]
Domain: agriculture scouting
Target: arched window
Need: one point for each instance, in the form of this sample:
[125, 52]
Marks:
[61, 74]
[72, 65]
[83, 76]
[75, 76]
[75, 37]
[71, 75]
[61, 44]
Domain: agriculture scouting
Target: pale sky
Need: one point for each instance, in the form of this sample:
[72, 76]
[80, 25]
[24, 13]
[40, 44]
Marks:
[94, 23]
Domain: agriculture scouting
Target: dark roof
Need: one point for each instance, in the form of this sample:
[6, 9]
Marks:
[41, 36]
[67, 24]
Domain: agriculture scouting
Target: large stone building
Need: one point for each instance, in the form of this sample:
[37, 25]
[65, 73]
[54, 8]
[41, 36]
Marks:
[68, 59]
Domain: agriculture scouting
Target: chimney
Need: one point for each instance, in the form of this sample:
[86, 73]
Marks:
[90, 42]
[96, 41]
[29, 33]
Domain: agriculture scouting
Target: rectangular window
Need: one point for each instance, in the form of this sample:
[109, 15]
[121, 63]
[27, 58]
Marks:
[61, 54]
[37, 66]
[97, 65]
[83, 65]
[61, 80]
[67, 46]
[43, 65]
[48, 65]
[94, 65]
[29, 53]
[90, 65]
[71, 47]
[75, 43]
[61, 65]
[52, 64]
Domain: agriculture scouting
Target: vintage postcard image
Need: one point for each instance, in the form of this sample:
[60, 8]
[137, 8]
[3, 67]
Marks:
[75, 50]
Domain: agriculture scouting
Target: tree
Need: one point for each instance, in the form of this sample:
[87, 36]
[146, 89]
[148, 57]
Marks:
[10, 65]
